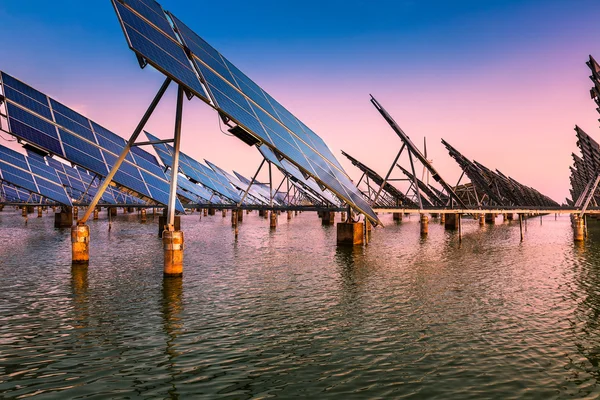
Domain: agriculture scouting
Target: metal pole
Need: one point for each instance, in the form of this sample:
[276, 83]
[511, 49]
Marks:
[251, 182]
[175, 164]
[108, 179]
[270, 187]
[521, 225]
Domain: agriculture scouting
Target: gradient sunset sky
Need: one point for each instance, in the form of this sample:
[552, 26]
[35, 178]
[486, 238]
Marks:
[504, 82]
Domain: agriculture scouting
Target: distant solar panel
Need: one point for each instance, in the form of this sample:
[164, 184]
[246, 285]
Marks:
[30, 174]
[195, 171]
[239, 185]
[237, 97]
[81, 141]
[12, 194]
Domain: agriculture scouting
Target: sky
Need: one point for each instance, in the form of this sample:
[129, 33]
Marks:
[505, 82]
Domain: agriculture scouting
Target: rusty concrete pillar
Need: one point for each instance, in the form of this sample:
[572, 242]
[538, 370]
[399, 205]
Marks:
[343, 216]
[143, 217]
[289, 215]
[261, 213]
[39, 210]
[211, 211]
[234, 217]
[240, 216]
[205, 212]
[24, 211]
[96, 212]
[328, 218]
[273, 223]
[397, 216]
[64, 218]
[578, 229]
[173, 245]
[266, 214]
[162, 221]
[442, 218]
[424, 225]
[224, 213]
[80, 244]
[295, 213]
[481, 219]
[490, 219]
[350, 234]
[75, 212]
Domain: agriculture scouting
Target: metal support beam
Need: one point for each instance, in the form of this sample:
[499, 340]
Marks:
[108, 179]
[388, 174]
[251, 183]
[175, 163]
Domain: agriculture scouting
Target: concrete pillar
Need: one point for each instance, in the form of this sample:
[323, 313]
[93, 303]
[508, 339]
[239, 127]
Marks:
[64, 218]
[224, 213]
[234, 217]
[30, 209]
[273, 223]
[130, 210]
[452, 222]
[295, 213]
[397, 217]
[481, 219]
[80, 241]
[240, 216]
[424, 225]
[75, 212]
[578, 229]
[350, 234]
[343, 216]
[490, 219]
[211, 211]
[509, 216]
[266, 214]
[96, 213]
[328, 218]
[289, 215]
[205, 212]
[24, 211]
[442, 218]
[39, 210]
[143, 217]
[173, 245]
[261, 213]
[112, 211]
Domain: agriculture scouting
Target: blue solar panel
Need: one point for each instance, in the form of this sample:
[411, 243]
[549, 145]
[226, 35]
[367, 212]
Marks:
[158, 48]
[81, 141]
[31, 175]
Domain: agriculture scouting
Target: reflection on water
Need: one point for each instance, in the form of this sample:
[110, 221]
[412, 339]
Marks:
[286, 313]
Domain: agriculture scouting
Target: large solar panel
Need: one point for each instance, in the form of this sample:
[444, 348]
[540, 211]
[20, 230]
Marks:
[31, 175]
[195, 171]
[47, 124]
[238, 98]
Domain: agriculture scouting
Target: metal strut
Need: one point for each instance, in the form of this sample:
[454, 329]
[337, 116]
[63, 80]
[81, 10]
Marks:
[175, 163]
[125, 151]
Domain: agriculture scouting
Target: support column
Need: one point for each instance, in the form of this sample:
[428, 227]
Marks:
[173, 245]
[578, 229]
[80, 240]
[75, 212]
[143, 217]
[289, 215]
[64, 218]
[481, 219]
[112, 211]
[240, 215]
[452, 221]
[350, 234]
[205, 212]
[490, 219]
[211, 211]
[24, 211]
[442, 218]
[96, 213]
[328, 218]
[397, 217]
[273, 223]
[424, 225]
[261, 213]
[39, 210]
[234, 217]
[224, 213]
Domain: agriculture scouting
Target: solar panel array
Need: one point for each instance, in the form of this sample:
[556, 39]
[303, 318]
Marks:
[195, 171]
[306, 184]
[12, 194]
[500, 190]
[585, 168]
[61, 131]
[232, 93]
[253, 195]
[32, 175]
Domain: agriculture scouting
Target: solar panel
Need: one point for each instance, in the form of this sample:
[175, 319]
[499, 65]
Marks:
[253, 194]
[12, 194]
[151, 37]
[237, 97]
[195, 171]
[30, 174]
[81, 141]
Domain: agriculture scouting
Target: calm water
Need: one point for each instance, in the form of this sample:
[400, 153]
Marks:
[288, 314]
